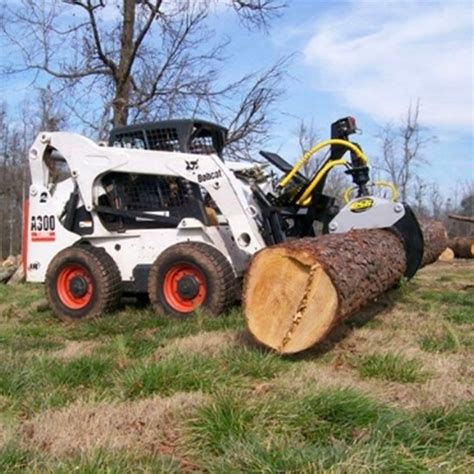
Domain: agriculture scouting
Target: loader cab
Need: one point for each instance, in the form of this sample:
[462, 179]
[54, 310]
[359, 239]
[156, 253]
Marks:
[130, 198]
[185, 136]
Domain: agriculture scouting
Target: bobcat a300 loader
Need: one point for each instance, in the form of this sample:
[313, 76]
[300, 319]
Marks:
[160, 212]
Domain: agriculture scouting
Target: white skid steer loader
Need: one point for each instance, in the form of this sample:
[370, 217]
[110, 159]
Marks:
[159, 212]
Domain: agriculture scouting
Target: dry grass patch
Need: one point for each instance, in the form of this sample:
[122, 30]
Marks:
[209, 343]
[76, 349]
[450, 380]
[3, 435]
[146, 427]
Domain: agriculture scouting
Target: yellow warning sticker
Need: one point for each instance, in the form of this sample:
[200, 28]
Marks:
[362, 205]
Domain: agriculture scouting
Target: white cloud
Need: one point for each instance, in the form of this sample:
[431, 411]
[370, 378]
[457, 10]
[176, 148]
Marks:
[379, 56]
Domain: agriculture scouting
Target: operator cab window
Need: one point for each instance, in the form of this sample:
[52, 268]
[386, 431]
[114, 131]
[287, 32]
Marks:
[132, 200]
[201, 142]
[133, 140]
[58, 169]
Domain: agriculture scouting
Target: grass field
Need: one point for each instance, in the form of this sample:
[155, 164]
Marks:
[390, 391]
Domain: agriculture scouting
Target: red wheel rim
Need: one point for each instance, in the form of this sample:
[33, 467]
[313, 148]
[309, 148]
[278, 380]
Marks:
[170, 288]
[65, 293]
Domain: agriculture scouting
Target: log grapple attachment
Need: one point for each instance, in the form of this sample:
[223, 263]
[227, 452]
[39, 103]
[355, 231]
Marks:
[300, 201]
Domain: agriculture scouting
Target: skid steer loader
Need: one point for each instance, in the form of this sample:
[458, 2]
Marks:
[158, 211]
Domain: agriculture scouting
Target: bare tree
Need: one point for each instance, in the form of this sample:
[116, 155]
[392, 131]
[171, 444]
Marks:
[401, 150]
[420, 189]
[435, 200]
[307, 138]
[40, 112]
[11, 161]
[131, 60]
[257, 13]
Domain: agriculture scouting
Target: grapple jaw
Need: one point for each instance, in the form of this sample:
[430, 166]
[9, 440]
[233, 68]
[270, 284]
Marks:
[370, 212]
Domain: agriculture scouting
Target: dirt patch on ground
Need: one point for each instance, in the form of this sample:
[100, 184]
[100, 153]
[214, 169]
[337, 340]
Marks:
[75, 349]
[449, 376]
[204, 343]
[146, 426]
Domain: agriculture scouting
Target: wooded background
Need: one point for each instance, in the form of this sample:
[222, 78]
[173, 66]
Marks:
[159, 59]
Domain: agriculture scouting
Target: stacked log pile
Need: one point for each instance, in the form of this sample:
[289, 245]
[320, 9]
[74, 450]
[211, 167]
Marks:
[296, 292]
[11, 270]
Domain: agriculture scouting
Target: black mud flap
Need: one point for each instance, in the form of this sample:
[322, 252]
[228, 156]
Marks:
[410, 231]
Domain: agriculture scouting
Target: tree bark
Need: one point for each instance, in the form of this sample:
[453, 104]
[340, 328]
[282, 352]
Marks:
[296, 292]
[436, 239]
[122, 77]
[463, 247]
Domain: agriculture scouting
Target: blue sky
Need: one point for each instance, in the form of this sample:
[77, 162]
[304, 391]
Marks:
[370, 59]
[364, 58]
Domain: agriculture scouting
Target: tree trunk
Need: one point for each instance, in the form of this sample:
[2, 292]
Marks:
[463, 247]
[297, 291]
[461, 218]
[122, 79]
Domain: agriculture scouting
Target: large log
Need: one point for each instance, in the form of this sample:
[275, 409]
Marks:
[463, 247]
[296, 292]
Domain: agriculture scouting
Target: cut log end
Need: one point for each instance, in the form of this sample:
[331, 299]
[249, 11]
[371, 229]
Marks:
[291, 317]
[447, 255]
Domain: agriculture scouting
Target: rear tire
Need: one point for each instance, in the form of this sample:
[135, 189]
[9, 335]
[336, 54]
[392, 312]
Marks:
[82, 282]
[191, 276]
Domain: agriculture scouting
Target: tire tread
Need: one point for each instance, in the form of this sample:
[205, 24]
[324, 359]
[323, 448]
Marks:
[221, 268]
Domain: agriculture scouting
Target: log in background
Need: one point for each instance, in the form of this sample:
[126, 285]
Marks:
[296, 292]
[463, 247]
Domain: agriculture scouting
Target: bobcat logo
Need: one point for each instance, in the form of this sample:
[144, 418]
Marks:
[192, 165]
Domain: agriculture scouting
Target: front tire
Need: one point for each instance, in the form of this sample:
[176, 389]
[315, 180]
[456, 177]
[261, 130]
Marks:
[82, 282]
[191, 276]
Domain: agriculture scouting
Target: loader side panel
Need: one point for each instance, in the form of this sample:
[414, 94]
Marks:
[44, 235]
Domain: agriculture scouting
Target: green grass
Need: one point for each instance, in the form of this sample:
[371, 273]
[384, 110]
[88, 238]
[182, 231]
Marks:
[179, 372]
[219, 425]
[81, 372]
[176, 374]
[448, 339]
[391, 367]
[459, 298]
[464, 315]
[14, 460]
[253, 363]
[332, 429]
[446, 342]
[260, 412]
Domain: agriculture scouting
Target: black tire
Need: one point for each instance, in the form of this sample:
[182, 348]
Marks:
[82, 282]
[214, 280]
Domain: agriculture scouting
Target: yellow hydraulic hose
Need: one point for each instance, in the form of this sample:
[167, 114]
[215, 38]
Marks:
[305, 198]
[383, 184]
[333, 141]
